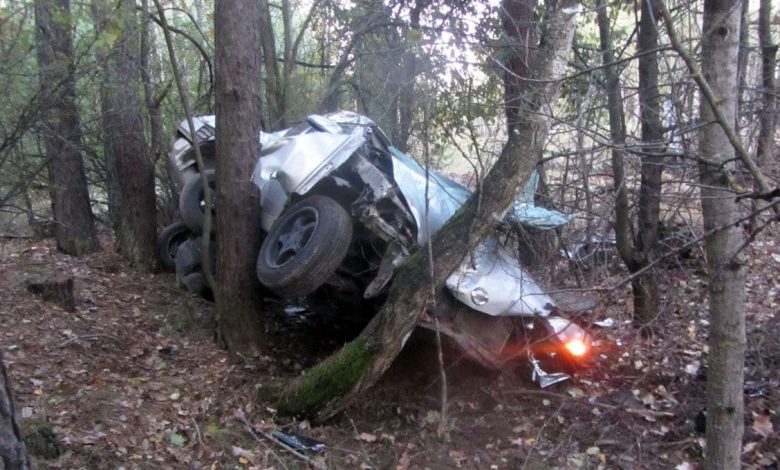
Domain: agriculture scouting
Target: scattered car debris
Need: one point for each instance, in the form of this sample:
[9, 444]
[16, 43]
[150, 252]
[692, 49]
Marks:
[298, 442]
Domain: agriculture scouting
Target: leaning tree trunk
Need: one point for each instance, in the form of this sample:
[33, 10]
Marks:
[517, 19]
[130, 168]
[332, 384]
[74, 225]
[726, 267]
[237, 56]
[13, 455]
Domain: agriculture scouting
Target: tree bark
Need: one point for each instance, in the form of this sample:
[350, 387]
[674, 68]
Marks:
[331, 385]
[13, 454]
[726, 267]
[239, 305]
[645, 288]
[742, 63]
[273, 79]
[407, 99]
[152, 100]
[74, 224]
[768, 116]
[617, 129]
[517, 19]
[130, 169]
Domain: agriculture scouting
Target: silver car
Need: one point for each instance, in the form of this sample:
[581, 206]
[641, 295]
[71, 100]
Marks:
[343, 209]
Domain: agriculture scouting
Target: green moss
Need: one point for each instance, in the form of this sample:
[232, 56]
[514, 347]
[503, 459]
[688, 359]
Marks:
[268, 393]
[41, 441]
[327, 381]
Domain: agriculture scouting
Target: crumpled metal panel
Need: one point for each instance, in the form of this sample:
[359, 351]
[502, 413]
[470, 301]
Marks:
[491, 281]
[267, 138]
[300, 161]
[446, 197]
[209, 122]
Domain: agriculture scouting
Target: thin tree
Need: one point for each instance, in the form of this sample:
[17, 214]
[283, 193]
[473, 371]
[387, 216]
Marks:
[617, 131]
[130, 168]
[645, 285]
[332, 384]
[237, 55]
[74, 223]
[768, 115]
[726, 289]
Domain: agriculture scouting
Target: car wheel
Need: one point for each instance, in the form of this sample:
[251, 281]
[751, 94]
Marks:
[304, 247]
[189, 265]
[168, 242]
[192, 203]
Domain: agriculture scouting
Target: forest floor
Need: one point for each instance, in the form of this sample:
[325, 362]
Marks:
[134, 379]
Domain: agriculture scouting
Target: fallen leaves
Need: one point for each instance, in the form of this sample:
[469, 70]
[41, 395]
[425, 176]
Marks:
[366, 437]
[762, 424]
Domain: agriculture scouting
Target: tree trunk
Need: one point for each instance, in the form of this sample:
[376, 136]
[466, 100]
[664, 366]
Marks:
[407, 99]
[646, 300]
[74, 224]
[151, 100]
[239, 306]
[332, 384]
[742, 63]
[13, 455]
[130, 169]
[617, 129]
[273, 79]
[726, 267]
[517, 18]
[768, 116]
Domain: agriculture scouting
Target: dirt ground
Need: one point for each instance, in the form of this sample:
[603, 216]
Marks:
[133, 379]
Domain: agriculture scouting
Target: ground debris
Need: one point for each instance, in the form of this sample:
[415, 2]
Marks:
[55, 288]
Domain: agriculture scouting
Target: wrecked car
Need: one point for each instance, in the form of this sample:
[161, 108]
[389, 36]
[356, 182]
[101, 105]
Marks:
[342, 209]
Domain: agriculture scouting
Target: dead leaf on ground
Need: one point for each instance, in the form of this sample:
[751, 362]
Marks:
[762, 424]
[366, 437]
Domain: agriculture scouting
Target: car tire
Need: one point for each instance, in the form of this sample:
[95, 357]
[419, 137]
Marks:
[191, 202]
[304, 247]
[189, 265]
[168, 242]
[195, 283]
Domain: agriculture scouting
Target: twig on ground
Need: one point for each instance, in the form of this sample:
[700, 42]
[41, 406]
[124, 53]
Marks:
[197, 432]
[88, 337]
[362, 447]
[568, 399]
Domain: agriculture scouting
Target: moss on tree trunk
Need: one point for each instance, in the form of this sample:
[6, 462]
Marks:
[327, 381]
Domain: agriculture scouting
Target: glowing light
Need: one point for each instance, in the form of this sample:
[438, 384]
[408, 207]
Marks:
[577, 347]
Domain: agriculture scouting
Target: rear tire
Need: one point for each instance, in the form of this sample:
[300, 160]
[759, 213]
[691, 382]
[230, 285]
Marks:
[168, 242]
[304, 247]
[191, 202]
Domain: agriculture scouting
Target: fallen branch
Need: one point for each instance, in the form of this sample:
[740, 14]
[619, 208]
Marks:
[640, 411]
[763, 195]
[88, 337]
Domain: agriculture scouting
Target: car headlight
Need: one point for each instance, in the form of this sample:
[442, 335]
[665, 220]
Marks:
[571, 335]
